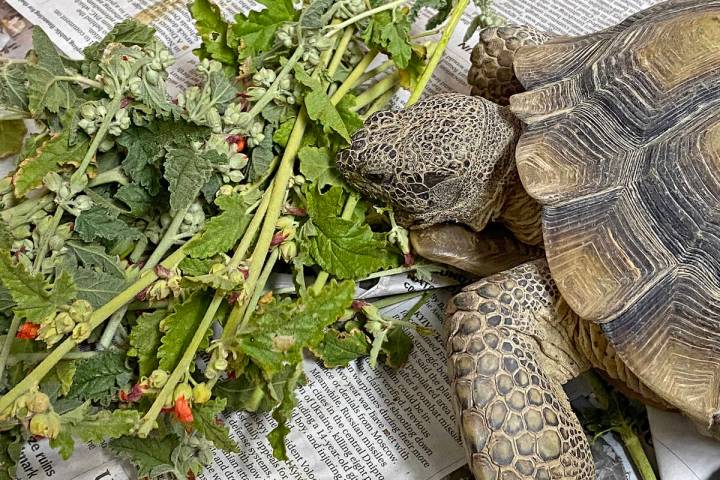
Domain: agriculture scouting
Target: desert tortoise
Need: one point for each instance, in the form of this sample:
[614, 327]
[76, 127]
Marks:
[621, 150]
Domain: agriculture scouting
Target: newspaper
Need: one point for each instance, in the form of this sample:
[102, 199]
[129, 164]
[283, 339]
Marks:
[355, 422]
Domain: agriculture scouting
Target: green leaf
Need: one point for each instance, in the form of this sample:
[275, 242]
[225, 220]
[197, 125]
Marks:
[318, 165]
[262, 156]
[48, 157]
[338, 349]
[12, 134]
[397, 347]
[100, 222]
[312, 15]
[347, 249]
[186, 172]
[44, 90]
[146, 146]
[97, 379]
[194, 267]
[213, 30]
[252, 391]
[254, 32]
[282, 134]
[34, 298]
[65, 373]
[395, 36]
[147, 454]
[221, 90]
[93, 427]
[352, 120]
[13, 90]
[180, 327]
[98, 288]
[223, 231]
[94, 256]
[128, 32]
[320, 109]
[277, 332]
[136, 198]
[11, 443]
[145, 341]
[283, 413]
[204, 423]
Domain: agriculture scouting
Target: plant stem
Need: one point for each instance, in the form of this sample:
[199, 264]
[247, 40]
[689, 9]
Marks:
[270, 93]
[377, 90]
[112, 109]
[375, 71]
[167, 241]
[403, 269]
[37, 357]
[455, 16]
[19, 214]
[342, 46]
[112, 326]
[114, 175]
[262, 281]
[368, 13]
[79, 79]
[7, 343]
[637, 453]
[380, 103]
[395, 299]
[353, 79]
[96, 319]
[45, 240]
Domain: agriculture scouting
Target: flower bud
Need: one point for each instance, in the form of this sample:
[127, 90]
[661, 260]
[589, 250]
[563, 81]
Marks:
[83, 202]
[152, 77]
[106, 145]
[38, 403]
[158, 291]
[183, 390]
[373, 326]
[64, 323]
[45, 425]
[158, 378]
[88, 111]
[225, 190]
[81, 332]
[220, 364]
[235, 176]
[53, 181]
[288, 250]
[80, 310]
[201, 393]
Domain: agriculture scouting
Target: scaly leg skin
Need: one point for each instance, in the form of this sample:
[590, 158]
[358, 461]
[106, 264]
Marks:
[511, 346]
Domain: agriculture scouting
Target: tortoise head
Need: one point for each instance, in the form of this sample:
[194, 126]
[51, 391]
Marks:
[446, 159]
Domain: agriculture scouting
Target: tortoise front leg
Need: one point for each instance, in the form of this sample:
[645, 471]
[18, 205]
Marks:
[510, 346]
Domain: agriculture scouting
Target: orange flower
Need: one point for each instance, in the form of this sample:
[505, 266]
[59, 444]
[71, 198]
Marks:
[182, 410]
[28, 331]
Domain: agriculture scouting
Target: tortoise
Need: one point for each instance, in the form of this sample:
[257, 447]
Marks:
[606, 172]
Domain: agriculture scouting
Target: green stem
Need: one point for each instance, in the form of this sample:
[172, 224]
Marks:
[96, 319]
[380, 103]
[354, 78]
[262, 281]
[375, 71]
[637, 453]
[455, 16]
[112, 109]
[376, 91]
[403, 269]
[79, 79]
[16, 358]
[270, 93]
[167, 241]
[368, 13]
[395, 299]
[114, 175]
[45, 240]
[7, 343]
[112, 326]
[342, 46]
[19, 214]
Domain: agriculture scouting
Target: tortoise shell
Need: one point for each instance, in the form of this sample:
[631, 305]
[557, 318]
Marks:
[623, 152]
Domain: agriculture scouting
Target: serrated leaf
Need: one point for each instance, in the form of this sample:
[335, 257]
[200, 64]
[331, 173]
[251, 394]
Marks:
[136, 198]
[145, 341]
[48, 157]
[222, 231]
[65, 373]
[194, 267]
[262, 156]
[338, 349]
[212, 29]
[252, 392]
[347, 249]
[318, 165]
[180, 327]
[204, 423]
[146, 146]
[147, 454]
[34, 298]
[94, 256]
[128, 32]
[98, 379]
[282, 134]
[255, 31]
[352, 120]
[395, 36]
[44, 89]
[186, 172]
[277, 332]
[322, 111]
[283, 413]
[95, 427]
[13, 90]
[312, 15]
[397, 347]
[96, 287]
[100, 222]
[12, 134]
